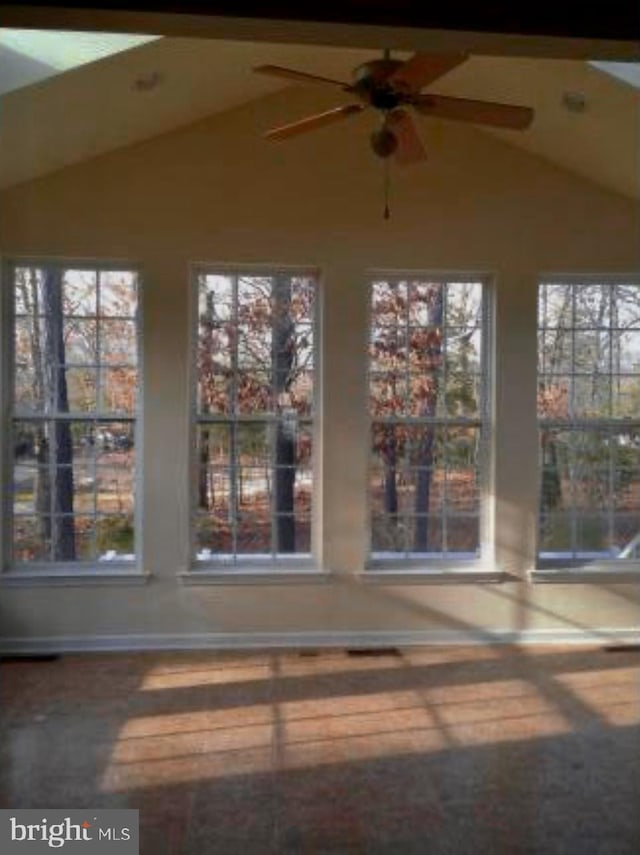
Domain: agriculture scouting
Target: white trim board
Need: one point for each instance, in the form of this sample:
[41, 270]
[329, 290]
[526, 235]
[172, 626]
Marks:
[295, 640]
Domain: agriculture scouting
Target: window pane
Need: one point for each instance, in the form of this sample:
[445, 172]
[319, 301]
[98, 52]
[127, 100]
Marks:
[28, 297]
[427, 486]
[626, 535]
[84, 486]
[79, 292]
[625, 396]
[426, 394]
[114, 488]
[463, 394]
[253, 490]
[81, 387]
[592, 306]
[119, 390]
[554, 396]
[388, 394]
[255, 366]
[626, 351]
[591, 397]
[28, 391]
[254, 443]
[31, 538]
[388, 349]
[25, 487]
[114, 442]
[626, 306]
[428, 336]
[75, 348]
[555, 347]
[592, 534]
[215, 390]
[253, 533]
[556, 535]
[464, 304]
[389, 303]
[213, 535]
[588, 470]
[462, 534]
[555, 306]
[463, 347]
[303, 296]
[80, 341]
[426, 534]
[255, 347]
[118, 344]
[254, 393]
[302, 494]
[299, 398]
[114, 536]
[118, 294]
[388, 534]
[84, 533]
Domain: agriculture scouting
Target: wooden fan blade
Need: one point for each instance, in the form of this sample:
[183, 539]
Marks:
[424, 68]
[410, 146]
[313, 122]
[480, 112]
[300, 76]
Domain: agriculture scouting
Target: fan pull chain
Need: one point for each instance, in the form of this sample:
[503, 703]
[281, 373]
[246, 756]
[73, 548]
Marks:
[387, 213]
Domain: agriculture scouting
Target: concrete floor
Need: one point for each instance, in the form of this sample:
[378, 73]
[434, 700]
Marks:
[440, 750]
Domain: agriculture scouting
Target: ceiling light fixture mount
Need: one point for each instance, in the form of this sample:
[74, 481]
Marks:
[147, 82]
[574, 102]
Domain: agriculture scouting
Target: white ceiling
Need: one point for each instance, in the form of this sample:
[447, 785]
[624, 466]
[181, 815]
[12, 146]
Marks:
[97, 107]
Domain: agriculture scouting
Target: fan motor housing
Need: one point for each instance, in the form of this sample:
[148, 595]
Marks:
[371, 83]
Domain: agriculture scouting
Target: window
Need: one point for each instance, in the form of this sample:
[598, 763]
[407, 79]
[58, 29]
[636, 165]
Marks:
[428, 401]
[73, 413]
[255, 378]
[589, 419]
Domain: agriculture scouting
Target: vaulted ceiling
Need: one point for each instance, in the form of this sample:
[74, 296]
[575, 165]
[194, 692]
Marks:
[168, 83]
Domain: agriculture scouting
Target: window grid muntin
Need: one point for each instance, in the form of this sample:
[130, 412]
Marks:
[233, 418]
[443, 421]
[50, 418]
[610, 425]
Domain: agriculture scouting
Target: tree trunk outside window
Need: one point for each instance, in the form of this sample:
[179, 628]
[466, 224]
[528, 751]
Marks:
[60, 452]
[424, 459]
[283, 352]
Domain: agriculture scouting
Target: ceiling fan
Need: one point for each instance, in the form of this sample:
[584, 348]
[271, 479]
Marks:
[390, 86]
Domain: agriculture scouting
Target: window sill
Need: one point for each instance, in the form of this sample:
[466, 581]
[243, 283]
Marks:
[605, 571]
[442, 573]
[88, 575]
[248, 574]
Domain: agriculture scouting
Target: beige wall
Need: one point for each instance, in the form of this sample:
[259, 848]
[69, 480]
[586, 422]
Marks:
[217, 192]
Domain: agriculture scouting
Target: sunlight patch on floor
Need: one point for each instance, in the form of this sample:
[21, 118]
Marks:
[293, 734]
[614, 695]
[176, 679]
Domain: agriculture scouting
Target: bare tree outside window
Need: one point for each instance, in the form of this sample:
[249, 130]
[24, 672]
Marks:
[73, 413]
[255, 371]
[427, 384]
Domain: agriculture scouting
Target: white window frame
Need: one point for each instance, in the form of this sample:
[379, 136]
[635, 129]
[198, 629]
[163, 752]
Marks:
[441, 567]
[247, 567]
[576, 568]
[117, 570]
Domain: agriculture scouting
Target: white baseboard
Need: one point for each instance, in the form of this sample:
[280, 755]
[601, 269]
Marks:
[294, 640]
